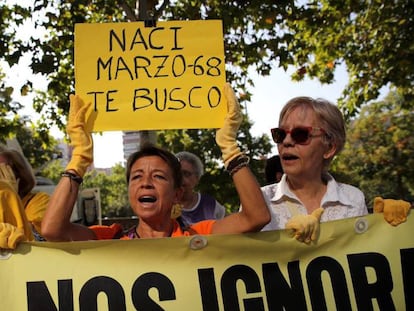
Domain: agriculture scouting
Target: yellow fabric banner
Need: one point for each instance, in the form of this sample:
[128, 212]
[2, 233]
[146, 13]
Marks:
[170, 76]
[357, 264]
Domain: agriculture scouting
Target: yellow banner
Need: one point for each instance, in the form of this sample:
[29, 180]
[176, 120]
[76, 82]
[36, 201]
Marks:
[145, 78]
[357, 264]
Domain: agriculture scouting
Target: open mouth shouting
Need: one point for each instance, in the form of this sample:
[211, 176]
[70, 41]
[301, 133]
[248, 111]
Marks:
[147, 199]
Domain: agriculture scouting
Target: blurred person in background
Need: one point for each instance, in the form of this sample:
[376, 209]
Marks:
[22, 208]
[273, 170]
[196, 206]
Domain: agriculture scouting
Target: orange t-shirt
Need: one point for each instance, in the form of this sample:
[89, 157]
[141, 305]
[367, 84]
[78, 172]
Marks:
[115, 230]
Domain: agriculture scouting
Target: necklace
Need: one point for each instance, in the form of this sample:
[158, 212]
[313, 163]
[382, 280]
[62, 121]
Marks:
[133, 233]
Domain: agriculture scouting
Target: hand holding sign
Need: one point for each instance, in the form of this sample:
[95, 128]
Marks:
[81, 139]
[227, 134]
[395, 211]
[305, 227]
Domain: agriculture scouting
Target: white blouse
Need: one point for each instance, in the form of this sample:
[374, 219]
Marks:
[340, 201]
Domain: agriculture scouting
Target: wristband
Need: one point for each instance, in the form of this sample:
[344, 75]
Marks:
[237, 163]
[72, 176]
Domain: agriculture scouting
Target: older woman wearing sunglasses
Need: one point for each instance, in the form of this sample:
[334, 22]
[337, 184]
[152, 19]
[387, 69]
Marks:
[310, 133]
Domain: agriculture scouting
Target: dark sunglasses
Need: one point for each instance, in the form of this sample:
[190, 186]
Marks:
[301, 135]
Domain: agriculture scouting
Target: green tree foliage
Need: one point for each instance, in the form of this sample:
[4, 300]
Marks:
[52, 170]
[373, 38]
[38, 146]
[10, 121]
[113, 189]
[252, 40]
[379, 154]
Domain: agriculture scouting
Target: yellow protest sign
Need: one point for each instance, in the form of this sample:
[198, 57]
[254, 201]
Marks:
[170, 76]
[357, 264]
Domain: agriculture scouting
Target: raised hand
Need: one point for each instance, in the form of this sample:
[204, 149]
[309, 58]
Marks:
[81, 140]
[227, 134]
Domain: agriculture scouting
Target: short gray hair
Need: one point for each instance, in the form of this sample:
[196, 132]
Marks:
[329, 115]
[194, 160]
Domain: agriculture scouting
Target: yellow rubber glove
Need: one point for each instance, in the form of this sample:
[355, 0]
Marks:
[305, 227]
[10, 236]
[7, 175]
[12, 210]
[395, 211]
[81, 140]
[226, 136]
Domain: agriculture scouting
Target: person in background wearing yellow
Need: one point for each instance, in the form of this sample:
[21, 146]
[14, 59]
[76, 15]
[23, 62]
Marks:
[22, 209]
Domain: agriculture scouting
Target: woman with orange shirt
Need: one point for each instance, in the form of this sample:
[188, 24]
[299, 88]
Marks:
[154, 186]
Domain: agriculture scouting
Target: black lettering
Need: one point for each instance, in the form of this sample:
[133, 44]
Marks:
[144, 95]
[156, 100]
[160, 47]
[407, 259]
[164, 59]
[210, 95]
[138, 39]
[213, 66]
[109, 99]
[208, 289]
[39, 298]
[102, 284]
[183, 65]
[141, 287]
[100, 63]
[122, 66]
[178, 100]
[198, 70]
[95, 99]
[229, 281]
[339, 287]
[170, 99]
[175, 30]
[121, 43]
[137, 66]
[279, 295]
[380, 289]
[189, 96]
